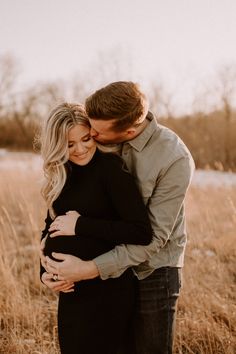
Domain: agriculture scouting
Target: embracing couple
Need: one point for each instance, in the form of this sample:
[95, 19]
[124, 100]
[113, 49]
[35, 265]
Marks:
[114, 238]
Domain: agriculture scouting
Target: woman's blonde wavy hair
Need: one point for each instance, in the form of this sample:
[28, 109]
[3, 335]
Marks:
[54, 148]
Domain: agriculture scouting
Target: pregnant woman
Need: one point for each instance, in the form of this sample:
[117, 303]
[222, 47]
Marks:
[96, 317]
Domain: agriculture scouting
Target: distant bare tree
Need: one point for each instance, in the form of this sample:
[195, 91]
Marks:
[218, 95]
[112, 64]
[226, 90]
[161, 100]
[8, 75]
[36, 103]
[80, 88]
[31, 106]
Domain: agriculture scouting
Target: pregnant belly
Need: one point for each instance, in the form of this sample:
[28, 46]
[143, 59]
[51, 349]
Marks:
[79, 246]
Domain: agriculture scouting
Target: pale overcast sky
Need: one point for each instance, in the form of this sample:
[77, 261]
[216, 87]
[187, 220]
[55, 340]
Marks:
[179, 41]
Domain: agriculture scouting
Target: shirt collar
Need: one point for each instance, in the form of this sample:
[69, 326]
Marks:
[141, 140]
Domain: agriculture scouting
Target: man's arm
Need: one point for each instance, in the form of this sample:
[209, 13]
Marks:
[163, 207]
[44, 233]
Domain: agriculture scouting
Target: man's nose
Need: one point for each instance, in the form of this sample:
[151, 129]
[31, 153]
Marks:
[93, 132]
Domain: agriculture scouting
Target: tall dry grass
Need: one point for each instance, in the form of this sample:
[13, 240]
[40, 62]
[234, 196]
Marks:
[27, 309]
[206, 318]
[207, 308]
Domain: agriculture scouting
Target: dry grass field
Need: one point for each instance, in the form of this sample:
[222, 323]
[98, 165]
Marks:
[206, 321]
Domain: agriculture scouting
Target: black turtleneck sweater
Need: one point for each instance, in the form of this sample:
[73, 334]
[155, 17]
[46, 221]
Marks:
[111, 208]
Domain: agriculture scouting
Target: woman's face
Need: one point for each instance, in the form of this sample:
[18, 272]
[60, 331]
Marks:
[81, 145]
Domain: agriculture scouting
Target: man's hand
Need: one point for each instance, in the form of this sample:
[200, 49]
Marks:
[59, 285]
[71, 268]
[64, 225]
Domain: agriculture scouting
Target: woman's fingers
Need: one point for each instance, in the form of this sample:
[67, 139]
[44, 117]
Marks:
[64, 286]
[43, 260]
[47, 276]
[41, 252]
[58, 285]
[56, 233]
[47, 279]
[42, 243]
[67, 291]
[53, 227]
[67, 288]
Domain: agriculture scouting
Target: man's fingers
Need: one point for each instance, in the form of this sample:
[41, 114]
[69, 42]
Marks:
[52, 266]
[60, 256]
[51, 269]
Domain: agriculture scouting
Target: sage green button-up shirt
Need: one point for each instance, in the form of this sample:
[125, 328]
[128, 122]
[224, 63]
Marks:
[163, 167]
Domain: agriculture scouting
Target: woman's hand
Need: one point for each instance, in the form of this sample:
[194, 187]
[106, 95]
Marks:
[41, 253]
[57, 285]
[64, 225]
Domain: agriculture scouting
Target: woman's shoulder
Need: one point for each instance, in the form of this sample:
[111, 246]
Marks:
[112, 167]
[109, 158]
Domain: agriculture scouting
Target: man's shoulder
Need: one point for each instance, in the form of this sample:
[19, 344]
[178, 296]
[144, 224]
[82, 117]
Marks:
[166, 141]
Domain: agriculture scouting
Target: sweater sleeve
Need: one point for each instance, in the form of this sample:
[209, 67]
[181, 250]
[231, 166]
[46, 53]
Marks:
[132, 225]
[48, 222]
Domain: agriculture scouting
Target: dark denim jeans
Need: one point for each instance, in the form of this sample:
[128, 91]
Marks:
[156, 311]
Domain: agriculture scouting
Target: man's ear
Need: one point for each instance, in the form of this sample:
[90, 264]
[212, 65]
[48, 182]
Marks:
[131, 132]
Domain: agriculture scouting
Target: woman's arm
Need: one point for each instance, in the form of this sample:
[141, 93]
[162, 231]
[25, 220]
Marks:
[133, 225]
[44, 233]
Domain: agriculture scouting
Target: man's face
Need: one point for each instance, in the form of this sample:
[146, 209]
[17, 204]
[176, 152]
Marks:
[102, 132]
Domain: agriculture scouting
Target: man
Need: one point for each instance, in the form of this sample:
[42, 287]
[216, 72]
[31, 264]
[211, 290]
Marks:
[163, 167]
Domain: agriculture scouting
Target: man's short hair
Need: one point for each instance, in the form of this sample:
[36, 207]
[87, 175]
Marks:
[121, 101]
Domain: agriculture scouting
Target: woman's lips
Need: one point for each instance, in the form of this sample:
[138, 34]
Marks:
[81, 156]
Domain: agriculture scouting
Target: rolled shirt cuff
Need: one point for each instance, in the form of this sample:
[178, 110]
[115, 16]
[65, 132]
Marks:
[107, 266]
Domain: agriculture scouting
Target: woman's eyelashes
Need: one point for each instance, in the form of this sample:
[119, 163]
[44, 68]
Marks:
[87, 138]
[84, 140]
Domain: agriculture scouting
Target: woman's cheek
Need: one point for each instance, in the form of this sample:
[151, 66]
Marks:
[91, 144]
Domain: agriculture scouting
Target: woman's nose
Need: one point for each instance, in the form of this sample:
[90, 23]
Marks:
[79, 148]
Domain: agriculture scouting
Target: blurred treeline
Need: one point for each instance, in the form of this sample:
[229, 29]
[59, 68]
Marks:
[209, 130]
